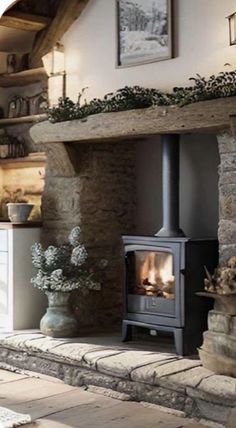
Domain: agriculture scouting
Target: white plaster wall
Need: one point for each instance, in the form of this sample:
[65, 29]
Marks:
[201, 38]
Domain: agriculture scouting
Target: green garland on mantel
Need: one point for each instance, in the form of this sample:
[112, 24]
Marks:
[129, 98]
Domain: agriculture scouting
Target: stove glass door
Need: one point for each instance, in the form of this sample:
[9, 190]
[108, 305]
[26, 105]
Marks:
[154, 274]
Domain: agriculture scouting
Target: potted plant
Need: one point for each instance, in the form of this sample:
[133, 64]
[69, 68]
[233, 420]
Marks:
[15, 206]
[60, 270]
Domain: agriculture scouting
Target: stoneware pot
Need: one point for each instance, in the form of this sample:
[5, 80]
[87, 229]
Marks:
[218, 351]
[58, 321]
[19, 212]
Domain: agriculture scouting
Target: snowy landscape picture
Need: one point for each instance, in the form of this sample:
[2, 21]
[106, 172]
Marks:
[144, 31]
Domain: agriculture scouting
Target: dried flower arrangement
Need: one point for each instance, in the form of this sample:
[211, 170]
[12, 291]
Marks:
[223, 281]
[64, 268]
[128, 98]
[14, 196]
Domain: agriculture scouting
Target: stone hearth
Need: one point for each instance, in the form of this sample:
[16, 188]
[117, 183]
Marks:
[91, 181]
[129, 373]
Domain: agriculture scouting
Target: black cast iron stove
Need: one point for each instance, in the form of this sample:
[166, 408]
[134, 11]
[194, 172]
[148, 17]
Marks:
[164, 272]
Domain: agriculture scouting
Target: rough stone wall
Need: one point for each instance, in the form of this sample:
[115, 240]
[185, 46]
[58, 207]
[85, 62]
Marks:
[227, 196]
[101, 198]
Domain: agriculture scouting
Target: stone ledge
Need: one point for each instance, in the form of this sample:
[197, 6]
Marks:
[159, 378]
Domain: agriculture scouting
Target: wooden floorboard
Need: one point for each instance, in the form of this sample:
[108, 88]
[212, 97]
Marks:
[29, 389]
[6, 376]
[56, 405]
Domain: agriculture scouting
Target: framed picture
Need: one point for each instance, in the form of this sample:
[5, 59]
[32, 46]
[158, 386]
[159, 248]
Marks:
[144, 31]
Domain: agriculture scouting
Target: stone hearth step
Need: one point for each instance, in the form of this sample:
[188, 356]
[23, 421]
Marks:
[155, 377]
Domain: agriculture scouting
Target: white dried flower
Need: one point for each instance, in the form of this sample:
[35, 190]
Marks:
[79, 255]
[74, 236]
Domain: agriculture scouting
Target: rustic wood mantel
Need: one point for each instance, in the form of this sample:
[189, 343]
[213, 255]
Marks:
[202, 117]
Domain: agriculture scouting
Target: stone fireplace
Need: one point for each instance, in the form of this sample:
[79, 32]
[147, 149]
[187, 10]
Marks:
[91, 181]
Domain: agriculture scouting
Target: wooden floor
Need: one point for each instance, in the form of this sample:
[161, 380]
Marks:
[53, 404]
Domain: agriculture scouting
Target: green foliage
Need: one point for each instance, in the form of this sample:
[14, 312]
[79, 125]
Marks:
[128, 98]
[63, 268]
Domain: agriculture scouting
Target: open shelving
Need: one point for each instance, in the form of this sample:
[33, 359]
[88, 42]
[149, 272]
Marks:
[37, 159]
[23, 78]
[24, 119]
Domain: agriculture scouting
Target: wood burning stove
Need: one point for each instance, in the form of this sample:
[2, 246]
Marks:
[164, 272]
[162, 277]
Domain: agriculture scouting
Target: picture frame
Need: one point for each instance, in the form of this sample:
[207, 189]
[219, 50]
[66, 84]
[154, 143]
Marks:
[144, 31]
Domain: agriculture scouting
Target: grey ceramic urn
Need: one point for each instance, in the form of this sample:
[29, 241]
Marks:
[58, 321]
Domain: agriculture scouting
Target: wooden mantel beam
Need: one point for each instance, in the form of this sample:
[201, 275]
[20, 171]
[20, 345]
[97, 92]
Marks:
[202, 117]
[67, 13]
[24, 21]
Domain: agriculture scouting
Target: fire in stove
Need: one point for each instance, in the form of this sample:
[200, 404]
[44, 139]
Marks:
[154, 274]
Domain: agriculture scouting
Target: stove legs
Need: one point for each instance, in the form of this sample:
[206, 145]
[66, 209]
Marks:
[179, 341]
[178, 333]
[126, 332]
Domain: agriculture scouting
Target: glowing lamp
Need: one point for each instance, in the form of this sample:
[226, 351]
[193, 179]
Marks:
[54, 64]
[232, 28]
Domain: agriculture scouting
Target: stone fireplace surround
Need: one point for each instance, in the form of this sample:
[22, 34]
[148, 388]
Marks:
[91, 181]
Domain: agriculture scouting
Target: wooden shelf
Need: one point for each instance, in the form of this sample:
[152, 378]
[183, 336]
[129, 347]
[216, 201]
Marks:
[32, 160]
[5, 224]
[23, 78]
[24, 119]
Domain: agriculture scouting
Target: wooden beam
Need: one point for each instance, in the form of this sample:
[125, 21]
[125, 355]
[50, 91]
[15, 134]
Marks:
[67, 13]
[24, 21]
[202, 117]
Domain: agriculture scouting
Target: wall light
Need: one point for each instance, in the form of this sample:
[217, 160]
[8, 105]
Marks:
[232, 28]
[54, 64]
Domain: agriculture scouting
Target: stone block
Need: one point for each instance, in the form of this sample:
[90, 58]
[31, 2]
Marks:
[124, 364]
[219, 322]
[157, 371]
[191, 378]
[21, 341]
[42, 365]
[220, 343]
[60, 199]
[227, 232]
[91, 358]
[146, 374]
[227, 202]
[226, 177]
[153, 394]
[70, 352]
[226, 142]
[217, 363]
[109, 393]
[213, 412]
[219, 389]
[228, 162]
[226, 251]
[86, 377]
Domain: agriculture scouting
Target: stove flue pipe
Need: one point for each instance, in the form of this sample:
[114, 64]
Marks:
[170, 187]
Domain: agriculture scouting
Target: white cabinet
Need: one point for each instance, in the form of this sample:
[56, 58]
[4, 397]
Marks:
[21, 305]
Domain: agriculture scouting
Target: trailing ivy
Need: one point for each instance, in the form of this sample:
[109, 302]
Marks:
[128, 98]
